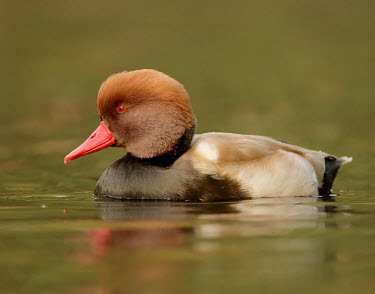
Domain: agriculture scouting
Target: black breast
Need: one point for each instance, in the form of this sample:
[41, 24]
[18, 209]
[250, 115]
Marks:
[133, 178]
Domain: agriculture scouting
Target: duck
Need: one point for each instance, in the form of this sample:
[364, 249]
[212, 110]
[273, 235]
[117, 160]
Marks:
[148, 113]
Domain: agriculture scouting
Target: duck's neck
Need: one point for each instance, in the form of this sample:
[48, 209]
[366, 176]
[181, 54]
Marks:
[165, 160]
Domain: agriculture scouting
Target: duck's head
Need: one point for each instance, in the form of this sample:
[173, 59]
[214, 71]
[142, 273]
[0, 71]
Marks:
[144, 111]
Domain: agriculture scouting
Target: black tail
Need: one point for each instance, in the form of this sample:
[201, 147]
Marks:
[332, 165]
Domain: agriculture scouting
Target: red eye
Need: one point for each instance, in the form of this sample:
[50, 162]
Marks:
[121, 108]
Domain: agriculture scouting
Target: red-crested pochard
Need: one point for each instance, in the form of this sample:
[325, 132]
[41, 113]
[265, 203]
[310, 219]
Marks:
[149, 114]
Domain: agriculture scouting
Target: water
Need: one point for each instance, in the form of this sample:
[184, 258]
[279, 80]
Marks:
[299, 71]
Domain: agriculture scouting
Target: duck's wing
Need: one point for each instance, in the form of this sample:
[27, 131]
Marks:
[221, 148]
[264, 166]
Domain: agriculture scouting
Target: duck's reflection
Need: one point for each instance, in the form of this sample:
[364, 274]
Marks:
[153, 236]
[161, 210]
[159, 223]
[268, 208]
[154, 243]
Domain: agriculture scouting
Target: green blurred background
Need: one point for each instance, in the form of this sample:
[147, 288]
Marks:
[298, 70]
[302, 71]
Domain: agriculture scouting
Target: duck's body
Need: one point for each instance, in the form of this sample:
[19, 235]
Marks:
[223, 166]
[166, 160]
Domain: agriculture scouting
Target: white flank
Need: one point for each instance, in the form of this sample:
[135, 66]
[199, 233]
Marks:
[208, 151]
